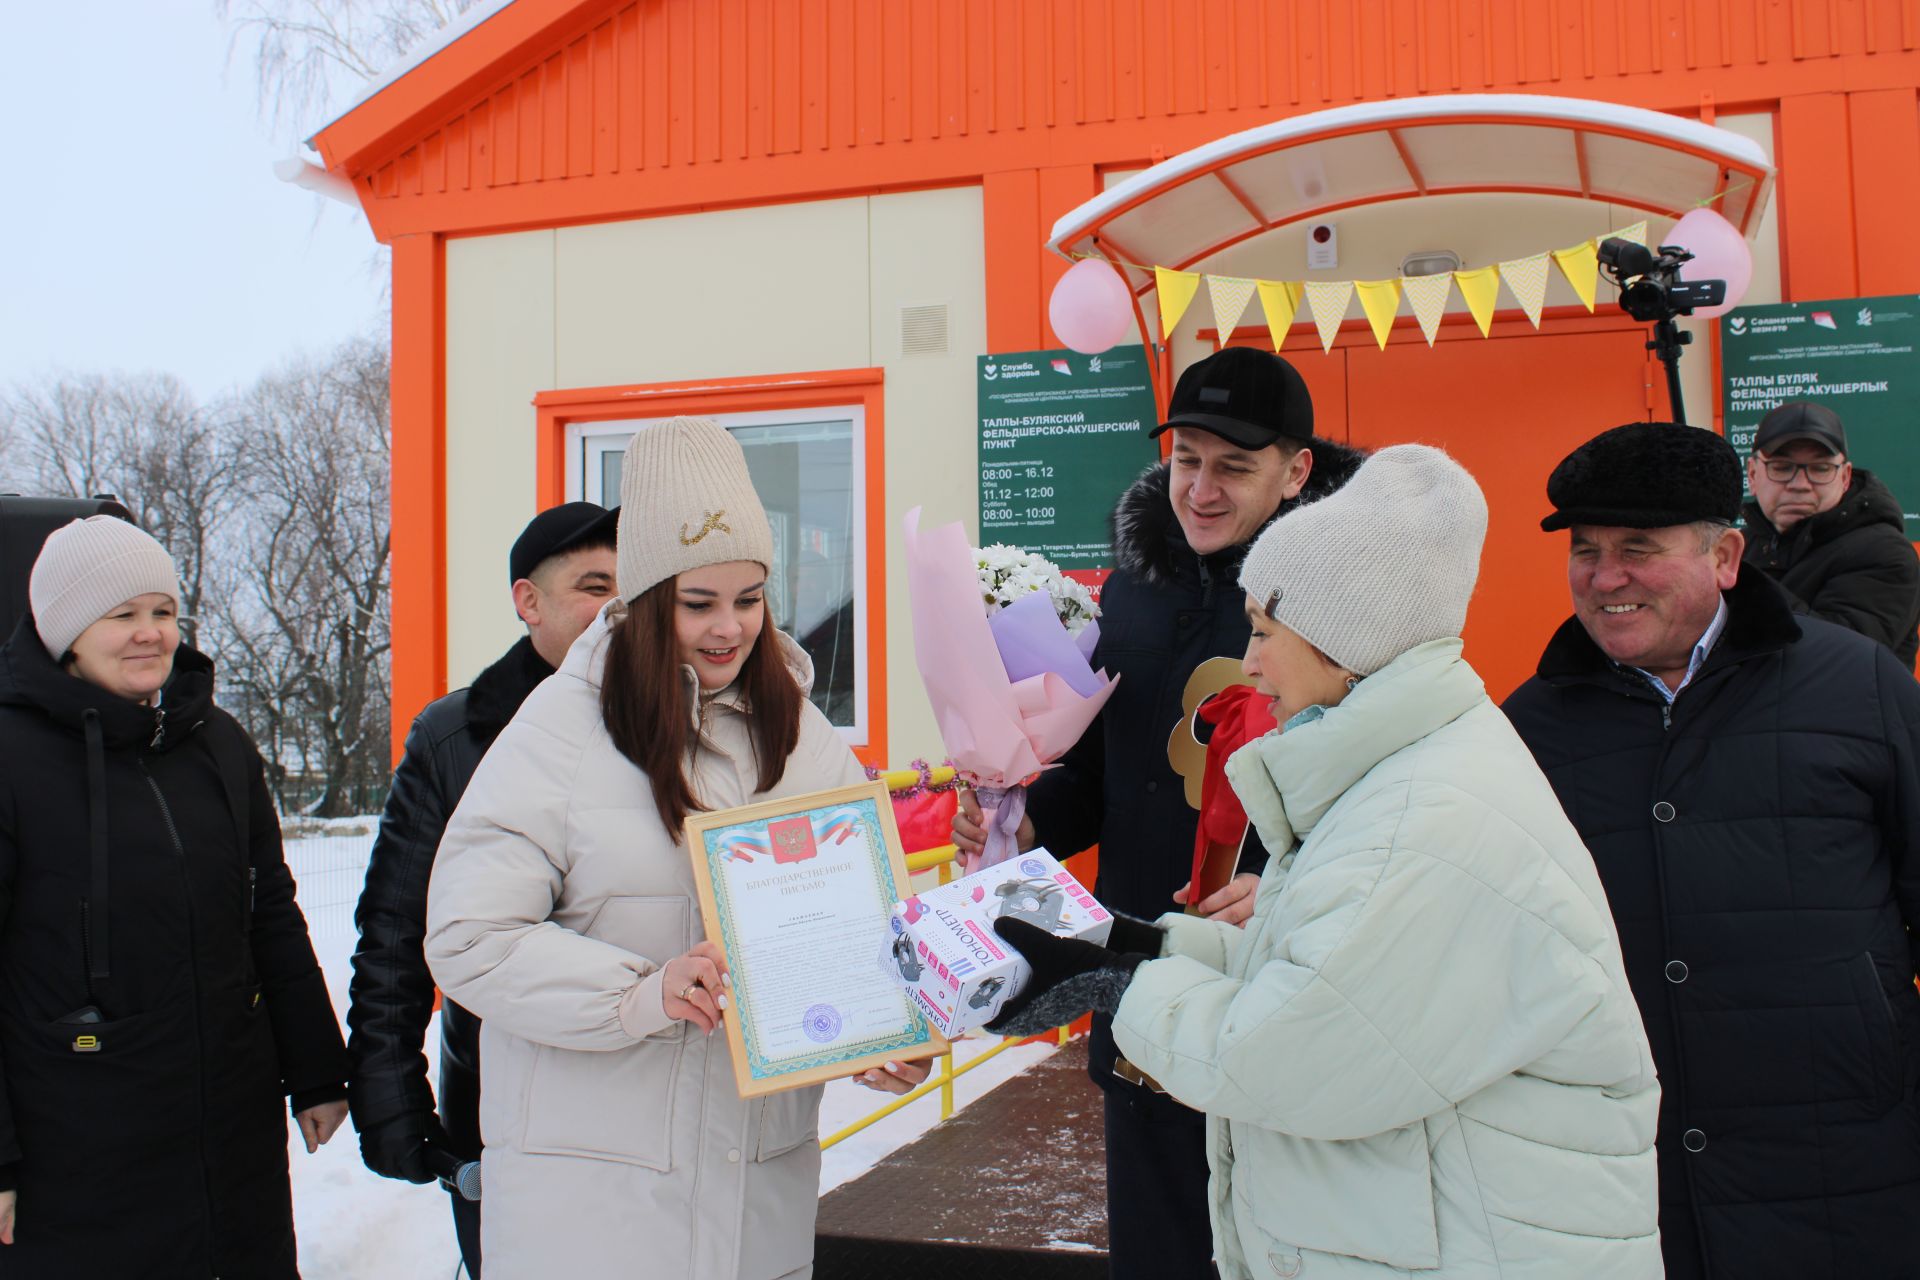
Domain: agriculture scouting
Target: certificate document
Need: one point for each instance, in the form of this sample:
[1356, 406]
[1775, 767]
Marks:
[798, 892]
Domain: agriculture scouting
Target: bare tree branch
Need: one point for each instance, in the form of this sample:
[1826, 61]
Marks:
[305, 54]
[315, 603]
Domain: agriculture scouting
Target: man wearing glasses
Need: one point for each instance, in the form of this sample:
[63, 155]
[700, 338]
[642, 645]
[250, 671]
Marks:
[1829, 532]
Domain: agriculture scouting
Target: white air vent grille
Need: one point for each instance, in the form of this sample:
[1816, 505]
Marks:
[923, 330]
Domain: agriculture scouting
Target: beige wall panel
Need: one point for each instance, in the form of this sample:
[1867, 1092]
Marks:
[928, 247]
[1697, 383]
[500, 351]
[781, 289]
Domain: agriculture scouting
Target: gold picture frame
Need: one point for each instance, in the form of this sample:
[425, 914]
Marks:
[799, 893]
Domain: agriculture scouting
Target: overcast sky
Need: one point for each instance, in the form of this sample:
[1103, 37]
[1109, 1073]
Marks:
[143, 226]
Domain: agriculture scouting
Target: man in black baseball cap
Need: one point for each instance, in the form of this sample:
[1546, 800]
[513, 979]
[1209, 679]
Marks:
[1242, 425]
[561, 569]
[1830, 533]
[1748, 783]
[1243, 450]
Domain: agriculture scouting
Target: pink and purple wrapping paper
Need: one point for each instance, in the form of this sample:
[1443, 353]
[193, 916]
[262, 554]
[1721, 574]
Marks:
[1009, 695]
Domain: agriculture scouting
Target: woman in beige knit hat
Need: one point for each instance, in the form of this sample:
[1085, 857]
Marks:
[562, 909]
[1421, 1054]
[161, 1002]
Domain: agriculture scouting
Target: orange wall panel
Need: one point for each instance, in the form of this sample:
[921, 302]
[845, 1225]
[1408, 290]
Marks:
[1816, 197]
[1885, 143]
[418, 481]
[1011, 218]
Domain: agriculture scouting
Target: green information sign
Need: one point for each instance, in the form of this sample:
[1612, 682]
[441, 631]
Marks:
[1856, 356]
[1061, 437]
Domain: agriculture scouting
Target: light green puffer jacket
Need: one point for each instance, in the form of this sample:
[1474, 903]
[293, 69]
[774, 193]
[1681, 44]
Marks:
[1421, 1055]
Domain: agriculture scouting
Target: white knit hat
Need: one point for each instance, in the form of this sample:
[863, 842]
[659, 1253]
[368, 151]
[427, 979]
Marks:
[1384, 563]
[85, 568]
[686, 501]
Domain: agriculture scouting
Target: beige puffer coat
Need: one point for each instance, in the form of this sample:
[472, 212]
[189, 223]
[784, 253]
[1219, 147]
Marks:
[555, 890]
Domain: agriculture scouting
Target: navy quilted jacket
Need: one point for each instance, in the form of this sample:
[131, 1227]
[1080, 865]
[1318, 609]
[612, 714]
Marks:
[1757, 842]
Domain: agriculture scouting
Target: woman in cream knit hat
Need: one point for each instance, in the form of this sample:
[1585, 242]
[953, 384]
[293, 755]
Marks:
[161, 1003]
[562, 909]
[1421, 1053]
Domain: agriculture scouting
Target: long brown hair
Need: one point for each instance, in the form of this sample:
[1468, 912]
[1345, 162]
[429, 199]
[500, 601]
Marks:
[644, 702]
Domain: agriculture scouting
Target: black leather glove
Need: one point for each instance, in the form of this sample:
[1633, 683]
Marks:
[1070, 977]
[398, 1147]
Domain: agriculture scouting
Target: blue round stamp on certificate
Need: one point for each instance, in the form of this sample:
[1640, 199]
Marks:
[821, 1023]
[1034, 867]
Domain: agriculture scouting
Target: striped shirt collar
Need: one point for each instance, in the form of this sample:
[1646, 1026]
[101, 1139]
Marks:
[1704, 647]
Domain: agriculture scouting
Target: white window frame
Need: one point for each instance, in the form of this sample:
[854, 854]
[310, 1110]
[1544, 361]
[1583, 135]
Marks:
[588, 443]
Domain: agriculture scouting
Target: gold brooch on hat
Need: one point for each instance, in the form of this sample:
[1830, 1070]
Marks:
[713, 522]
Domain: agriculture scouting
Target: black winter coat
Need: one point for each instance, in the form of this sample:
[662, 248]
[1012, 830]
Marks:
[392, 991]
[1851, 565]
[1163, 612]
[1760, 846]
[141, 876]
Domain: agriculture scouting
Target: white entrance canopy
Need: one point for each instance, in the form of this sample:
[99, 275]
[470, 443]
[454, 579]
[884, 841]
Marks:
[1185, 209]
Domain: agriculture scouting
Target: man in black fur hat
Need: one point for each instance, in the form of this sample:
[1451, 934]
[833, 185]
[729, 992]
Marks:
[1243, 452]
[562, 571]
[1748, 782]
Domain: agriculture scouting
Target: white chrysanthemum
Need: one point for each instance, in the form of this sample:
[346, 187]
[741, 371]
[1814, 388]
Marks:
[1008, 574]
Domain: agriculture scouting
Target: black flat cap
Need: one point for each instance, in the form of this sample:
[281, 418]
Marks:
[1646, 475]
[1243, 395]
[558, 529]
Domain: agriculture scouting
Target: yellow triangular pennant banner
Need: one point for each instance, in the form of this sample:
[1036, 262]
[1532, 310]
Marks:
[1329, 299]
[1380, 299]
[1280, 299]
[1176, 291]
[1428, 297]
[1230, 295]
[1481, 288]
[1636, 233]
[1527, 277]
[1581, 266]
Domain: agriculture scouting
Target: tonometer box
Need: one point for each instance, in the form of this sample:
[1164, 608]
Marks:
[942, 947]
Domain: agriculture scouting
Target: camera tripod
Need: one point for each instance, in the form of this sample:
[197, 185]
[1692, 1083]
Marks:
[1666, 343]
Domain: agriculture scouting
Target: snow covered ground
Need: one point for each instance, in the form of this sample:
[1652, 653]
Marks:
[355, 1226]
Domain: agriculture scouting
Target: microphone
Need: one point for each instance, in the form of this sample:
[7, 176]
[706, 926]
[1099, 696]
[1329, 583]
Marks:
[454, 1173]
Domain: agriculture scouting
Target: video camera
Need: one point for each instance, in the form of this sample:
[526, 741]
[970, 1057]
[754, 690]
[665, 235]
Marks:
[1651, 289]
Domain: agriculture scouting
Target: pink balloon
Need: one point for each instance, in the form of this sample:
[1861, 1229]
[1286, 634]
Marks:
[1091, 309]
[1720, 252]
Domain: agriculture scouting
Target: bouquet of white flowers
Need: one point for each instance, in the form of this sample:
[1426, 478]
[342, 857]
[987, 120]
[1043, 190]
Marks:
[1008, 573]
[1004, 642]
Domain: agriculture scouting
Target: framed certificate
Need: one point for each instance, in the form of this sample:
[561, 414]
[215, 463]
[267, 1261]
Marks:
[799, 892]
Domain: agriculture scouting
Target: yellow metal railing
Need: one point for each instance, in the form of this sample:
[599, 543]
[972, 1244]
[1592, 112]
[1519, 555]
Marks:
[938, 860]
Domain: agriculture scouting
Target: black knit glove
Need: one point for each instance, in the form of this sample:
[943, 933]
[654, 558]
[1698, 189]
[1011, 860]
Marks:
[1070, 977]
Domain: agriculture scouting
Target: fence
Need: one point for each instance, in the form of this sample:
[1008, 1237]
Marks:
[328, 858]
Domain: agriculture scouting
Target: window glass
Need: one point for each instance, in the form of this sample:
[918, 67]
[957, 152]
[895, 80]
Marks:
[804, 474]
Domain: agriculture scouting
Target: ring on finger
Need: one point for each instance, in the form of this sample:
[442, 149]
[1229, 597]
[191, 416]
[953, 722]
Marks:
[688, 993]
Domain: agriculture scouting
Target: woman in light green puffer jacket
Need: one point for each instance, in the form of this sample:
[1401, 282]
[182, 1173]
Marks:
[1421, 1055]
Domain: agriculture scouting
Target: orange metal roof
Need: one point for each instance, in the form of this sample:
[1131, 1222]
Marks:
[556, 111]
